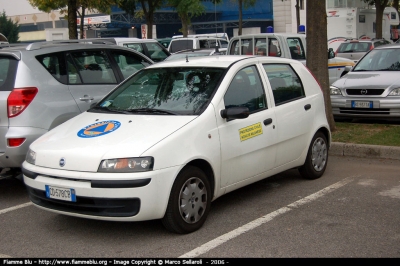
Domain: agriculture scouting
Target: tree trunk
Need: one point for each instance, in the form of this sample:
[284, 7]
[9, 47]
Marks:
[317, 51]
[72, 18]
[82, 33]
[185, 23]
[150, 21]
[380, 6]
[240, 17]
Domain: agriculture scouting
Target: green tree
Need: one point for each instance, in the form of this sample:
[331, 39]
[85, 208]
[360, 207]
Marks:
[187, 9]
[243, 4]
[8, 28]
[142, 8]
[317, 35]
[73, 8]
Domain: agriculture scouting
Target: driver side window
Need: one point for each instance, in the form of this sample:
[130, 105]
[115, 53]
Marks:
[246, 90]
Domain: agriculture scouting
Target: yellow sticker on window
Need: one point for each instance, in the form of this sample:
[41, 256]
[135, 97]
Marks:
[250, 131]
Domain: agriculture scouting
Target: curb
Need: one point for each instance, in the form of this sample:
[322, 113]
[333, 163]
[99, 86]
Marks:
[364, 151]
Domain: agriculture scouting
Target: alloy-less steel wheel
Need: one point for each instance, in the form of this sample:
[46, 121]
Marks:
[189, 202]
[317, 158]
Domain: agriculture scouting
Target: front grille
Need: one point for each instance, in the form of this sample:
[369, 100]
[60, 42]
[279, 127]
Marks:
[361, 111]
[364, 91]
[108, 207]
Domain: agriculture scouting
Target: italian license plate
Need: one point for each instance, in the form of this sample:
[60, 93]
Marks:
[67, 194]
[360, 104]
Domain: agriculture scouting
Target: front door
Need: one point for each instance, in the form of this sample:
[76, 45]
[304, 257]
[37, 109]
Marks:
[247, 145]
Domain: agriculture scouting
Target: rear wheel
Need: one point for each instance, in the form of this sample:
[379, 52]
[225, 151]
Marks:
[189, 202]
[317, 158]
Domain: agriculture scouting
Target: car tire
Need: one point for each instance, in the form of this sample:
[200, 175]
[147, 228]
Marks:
[189, 202]
[317, 158]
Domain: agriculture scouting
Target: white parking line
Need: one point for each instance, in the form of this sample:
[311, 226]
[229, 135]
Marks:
[266, 218]
[15, 207]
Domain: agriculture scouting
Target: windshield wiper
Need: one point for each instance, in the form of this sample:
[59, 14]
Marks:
[387, 69]
[150, 110]
[359, 70]
[106, 110]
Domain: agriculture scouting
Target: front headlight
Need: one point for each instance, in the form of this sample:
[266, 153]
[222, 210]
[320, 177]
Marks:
[31, 157]
[395, 92]
[126, 165]
[335, 91]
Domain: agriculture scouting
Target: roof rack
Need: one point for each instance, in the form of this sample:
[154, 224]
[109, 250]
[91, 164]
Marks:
[38, 45]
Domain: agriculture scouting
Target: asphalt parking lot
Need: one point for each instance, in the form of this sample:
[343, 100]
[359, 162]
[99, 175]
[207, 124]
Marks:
[351, 212]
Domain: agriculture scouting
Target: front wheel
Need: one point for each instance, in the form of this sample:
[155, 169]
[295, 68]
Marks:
[189, 202]
[317, 158]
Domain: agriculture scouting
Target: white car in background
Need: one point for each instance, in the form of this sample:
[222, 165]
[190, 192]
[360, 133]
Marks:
[179, 134]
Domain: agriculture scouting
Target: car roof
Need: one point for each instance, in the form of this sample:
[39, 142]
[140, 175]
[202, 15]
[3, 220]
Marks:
[223, 61]
[388, 46]
[59, 46]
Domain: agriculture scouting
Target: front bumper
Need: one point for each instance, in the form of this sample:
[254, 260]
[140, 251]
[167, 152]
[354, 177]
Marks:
[382, 107]
[103, 196]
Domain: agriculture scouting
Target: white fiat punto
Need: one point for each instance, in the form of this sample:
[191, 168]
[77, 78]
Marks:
[177, 135]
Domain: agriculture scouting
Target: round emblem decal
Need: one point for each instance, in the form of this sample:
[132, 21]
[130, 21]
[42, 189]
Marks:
[99, 129]
[62, 162]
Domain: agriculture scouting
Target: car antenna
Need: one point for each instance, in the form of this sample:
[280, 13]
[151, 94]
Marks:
[216, 28]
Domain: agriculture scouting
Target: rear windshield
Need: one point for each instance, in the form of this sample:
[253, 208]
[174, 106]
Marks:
[180, 45]
[8, 70]
[354, 47]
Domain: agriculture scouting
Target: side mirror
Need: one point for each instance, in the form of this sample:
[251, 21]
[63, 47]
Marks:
[235, 113]
[331, 53]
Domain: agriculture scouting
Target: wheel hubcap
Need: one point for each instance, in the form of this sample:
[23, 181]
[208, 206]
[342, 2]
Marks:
[319, 154]
[192, 200]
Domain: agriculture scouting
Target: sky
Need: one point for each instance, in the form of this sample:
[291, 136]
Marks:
[17, 7]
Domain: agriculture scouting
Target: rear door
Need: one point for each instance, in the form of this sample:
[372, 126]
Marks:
[8, 70]
[294, 112]
[90, 76]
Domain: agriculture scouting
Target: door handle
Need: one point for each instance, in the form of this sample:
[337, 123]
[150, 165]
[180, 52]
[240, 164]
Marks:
[86, 98]
[267, 121]
[307, 107]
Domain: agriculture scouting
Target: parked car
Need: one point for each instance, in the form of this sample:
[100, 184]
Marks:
[164, 42]
[44, 84]
[179, 134]
[196, 53]
[149, 47]
[355, 49]
[286, 45]
[372, 88]
[199, 42]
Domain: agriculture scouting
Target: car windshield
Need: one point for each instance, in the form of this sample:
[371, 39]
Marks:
[176, 91]
[380, 60]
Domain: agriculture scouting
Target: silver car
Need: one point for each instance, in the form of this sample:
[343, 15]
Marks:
[42, 85]
[372, 88]
[355, 49]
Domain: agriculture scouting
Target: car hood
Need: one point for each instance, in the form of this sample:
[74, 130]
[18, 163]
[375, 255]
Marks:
[369, 80]
[88, 138]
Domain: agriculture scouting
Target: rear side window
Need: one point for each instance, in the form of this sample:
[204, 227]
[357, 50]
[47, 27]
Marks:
[296, 48]
[92, 67]
[178, 45]
[285, 83]
[135, 46]
[354, 47]
[55, 65]
[156, 52]
[224, 44]
[8, 70]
